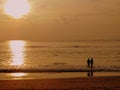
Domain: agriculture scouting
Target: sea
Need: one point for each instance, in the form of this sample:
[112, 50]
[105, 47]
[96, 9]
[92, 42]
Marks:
[20, 59]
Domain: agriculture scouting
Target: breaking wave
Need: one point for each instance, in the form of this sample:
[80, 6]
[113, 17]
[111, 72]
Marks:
[65, 69]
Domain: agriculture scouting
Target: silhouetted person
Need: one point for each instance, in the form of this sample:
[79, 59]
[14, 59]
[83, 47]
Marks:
[88, 62]
[91, 62]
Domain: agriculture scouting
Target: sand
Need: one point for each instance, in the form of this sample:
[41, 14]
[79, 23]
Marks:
[85, 83]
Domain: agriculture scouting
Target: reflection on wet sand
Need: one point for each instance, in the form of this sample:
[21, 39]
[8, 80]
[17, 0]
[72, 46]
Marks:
[90, 74]
[18, 74]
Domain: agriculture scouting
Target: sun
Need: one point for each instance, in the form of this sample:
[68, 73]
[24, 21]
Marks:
[17, 8]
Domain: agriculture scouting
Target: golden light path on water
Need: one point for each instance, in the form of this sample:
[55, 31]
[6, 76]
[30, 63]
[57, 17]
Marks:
[17, 48]
[17, 51]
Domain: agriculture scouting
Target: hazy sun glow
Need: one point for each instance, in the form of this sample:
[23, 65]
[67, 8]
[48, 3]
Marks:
[17, 8]
[17, 50]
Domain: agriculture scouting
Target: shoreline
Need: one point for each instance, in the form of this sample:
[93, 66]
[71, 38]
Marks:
[25, 76]
[82, 83]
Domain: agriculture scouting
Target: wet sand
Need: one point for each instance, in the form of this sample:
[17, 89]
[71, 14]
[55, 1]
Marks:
[84, 83]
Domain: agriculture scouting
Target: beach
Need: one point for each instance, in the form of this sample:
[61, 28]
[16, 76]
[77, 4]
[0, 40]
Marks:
[83, 83]
[62, 65]
[59, 44]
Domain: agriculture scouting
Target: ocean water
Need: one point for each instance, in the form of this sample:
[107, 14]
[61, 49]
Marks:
[63, 56]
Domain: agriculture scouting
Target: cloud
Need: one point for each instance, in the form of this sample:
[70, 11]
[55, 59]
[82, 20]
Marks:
[73, 7]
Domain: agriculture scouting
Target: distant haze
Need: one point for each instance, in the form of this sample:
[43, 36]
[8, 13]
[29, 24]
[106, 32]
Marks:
[64, 20]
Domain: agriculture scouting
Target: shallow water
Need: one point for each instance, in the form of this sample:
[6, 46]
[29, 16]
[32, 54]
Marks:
[64, 55]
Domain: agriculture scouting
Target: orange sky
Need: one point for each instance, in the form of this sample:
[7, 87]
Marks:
[64, 20]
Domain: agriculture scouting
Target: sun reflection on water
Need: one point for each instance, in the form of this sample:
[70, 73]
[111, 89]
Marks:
[17, 49]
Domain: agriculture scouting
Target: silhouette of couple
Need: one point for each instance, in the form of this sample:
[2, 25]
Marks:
[90, 62]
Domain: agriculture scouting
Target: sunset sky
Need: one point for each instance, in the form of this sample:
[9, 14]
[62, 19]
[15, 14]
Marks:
[63, 20]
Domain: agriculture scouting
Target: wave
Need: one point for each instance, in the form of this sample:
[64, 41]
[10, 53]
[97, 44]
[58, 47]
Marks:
[65, 46]
[60, 70]
[73, 46]
[36, 46]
